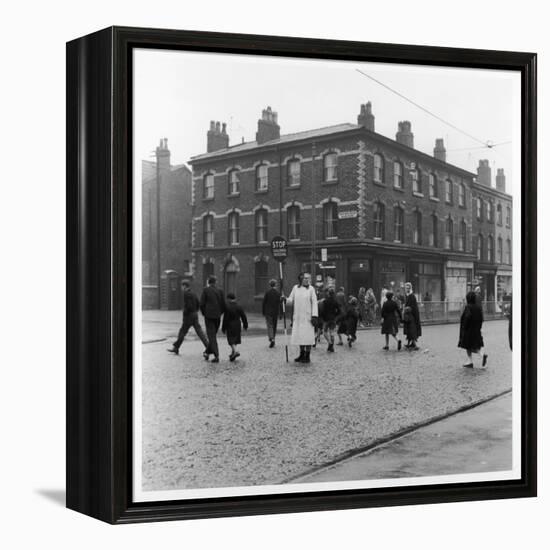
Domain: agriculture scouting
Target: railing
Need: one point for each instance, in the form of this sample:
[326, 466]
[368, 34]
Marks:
[445, 312]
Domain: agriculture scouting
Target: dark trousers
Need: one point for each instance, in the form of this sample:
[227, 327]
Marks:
[191, 320]
[212, 326]
[271, 323]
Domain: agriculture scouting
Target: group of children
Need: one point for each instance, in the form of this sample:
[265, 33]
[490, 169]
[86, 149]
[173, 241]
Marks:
[335, 316]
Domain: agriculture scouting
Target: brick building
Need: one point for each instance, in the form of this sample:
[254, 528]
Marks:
[492, 234]
[175, 226]
[385, 212]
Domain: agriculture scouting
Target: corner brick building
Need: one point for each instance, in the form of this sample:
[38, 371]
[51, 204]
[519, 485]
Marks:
[175, 225]
[384, 212]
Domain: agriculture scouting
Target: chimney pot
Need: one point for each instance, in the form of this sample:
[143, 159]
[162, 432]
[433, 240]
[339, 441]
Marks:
[404, 134]
[440, 152]
[365, 117]
[268, 127]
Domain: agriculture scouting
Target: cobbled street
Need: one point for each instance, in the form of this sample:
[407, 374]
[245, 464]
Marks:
[262, 421]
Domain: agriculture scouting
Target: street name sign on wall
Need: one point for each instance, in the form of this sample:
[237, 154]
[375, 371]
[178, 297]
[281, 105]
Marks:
[279, 248]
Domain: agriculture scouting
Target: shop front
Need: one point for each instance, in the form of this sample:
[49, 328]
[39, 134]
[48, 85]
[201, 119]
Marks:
[504, 288]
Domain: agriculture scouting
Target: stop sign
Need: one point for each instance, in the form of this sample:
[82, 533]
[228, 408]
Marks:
[279, 248]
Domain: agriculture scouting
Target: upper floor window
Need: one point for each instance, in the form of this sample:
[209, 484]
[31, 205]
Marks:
[330, 167]
[462, 236]
[261, 225]
[293, 172]
[293, 221]
[490, 249]
[208, 186]
[330, 220]
[416, 181]
[499, 250]
[208, 230]
[480, 247]
[379, 220]
[433, 234]
[261, 177]
[398, 224]
[462, 195]
[449, 229]
[233, 228]
[417, 230]
[397, 174]
[448, 191]
[378, 168]
[479, 209]
[489, 207]
[499, 214]
[508, 216]
[234, 182]
[432, 184]
[508, 251]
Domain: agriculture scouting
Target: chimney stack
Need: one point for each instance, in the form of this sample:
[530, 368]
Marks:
[163, 156]
[501, 180]
[216, 137]
[484, 173]
[268, 127]
[404, 134]
[365, 117]
[440, 153]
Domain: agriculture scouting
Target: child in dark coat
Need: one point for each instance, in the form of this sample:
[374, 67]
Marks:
[409, 327]
[391, 316]
[231, 325]
[351, 319]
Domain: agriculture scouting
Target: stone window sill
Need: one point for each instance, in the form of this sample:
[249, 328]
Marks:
[400, 189]
[206, 199]
[234, 195]
[261, 191]
[330, 182]
[435, 199]
[379, 183]
[417, 194]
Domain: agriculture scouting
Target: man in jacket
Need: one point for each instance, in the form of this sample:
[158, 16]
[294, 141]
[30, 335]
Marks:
[271, 306]
[212, 306]
[190, 318]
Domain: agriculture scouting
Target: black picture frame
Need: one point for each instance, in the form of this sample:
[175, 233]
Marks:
[99, 274]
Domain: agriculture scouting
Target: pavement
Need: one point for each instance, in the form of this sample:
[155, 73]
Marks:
[477, 440]
[261, 420]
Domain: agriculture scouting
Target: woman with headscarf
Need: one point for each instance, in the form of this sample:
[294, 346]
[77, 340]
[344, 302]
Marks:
[415, 328]
[471, 322]
[304, 316]
[391, 316]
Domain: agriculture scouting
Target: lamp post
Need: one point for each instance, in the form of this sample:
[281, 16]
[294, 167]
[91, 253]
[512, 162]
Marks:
[313, 214]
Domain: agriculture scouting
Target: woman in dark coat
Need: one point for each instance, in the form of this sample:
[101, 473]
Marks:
[471, 322]
[391, 316]
[231, 325]
[414, 330]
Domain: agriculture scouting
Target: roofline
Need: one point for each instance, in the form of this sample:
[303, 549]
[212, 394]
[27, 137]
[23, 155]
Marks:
[493, 190]
[227, 153]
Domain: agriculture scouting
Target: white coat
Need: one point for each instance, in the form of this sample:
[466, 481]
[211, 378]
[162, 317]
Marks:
[304, 301]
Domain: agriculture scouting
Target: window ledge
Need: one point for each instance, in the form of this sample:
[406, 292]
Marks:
[377, 238]
[400, 189]
[379, 183]
[295, 240]
[397, 241]
[261, 191]
[206, 199]
[330, 182]
[233, 195]
[417, 194]
[435, 199]
[330, 238]
[291, 187]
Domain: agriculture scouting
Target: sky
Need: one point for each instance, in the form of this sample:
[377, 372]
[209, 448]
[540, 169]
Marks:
[177, 94]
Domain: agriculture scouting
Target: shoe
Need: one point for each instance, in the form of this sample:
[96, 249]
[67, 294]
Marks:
[300, 357]
[237, 354]
[272, 344]
[175, 351]
[484, 362]
[386, 348]
[232, 357]
[215, 360]
[350, 341]
[206, 355]
[398, 345]
[340, 344]
[469, 365]
[414, 348]
[306, 358]
[330, 347]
